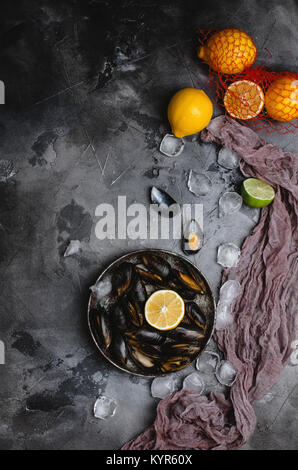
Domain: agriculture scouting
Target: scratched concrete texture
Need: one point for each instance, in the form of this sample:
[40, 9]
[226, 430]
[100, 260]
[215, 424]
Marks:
[87, 85]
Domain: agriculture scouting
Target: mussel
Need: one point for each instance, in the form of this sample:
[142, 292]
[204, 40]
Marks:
[150, 278]
[138, 291]
[157, 265]
[101, 325]
[185, 334]
[118, 350]
[123, 279]
[182, 349]
[147, 335]
[172, 364]
[142, 360]
[181, 290]
[133, 311]
[195, 314]
[118, 316]
[192, 238]
[190, 283]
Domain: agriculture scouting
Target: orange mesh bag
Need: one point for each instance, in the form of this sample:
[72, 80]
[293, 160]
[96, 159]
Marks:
[262, 98]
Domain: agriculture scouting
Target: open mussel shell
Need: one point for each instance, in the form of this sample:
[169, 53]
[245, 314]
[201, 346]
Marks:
[182, 349]
[190, 283]
[142, 359]
[123, 279]
[150, 278]
[196, 315]
[175, 363]
[193, 237]
[157, 265]
[134, 311]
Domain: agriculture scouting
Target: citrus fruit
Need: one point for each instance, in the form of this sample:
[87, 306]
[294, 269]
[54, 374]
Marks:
[189, 111]
[244, 99]
[164, 309]
[281, 98]
[229, 51]
[257, 193]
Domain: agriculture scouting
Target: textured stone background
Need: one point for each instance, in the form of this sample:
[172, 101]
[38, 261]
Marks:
[87, 85]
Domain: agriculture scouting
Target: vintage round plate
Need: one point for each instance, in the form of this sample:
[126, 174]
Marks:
[205, 302]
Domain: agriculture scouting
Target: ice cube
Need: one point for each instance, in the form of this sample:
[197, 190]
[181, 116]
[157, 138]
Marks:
[229, 203]
[228, 159]
[207, 362]
[198, 183]
[225, 373]
[73, 248]
[294, 358]
[215, 126]
[224, 316]
[161, 387]
[7, 170]
[229, 291]
[194, 382]
[228, 255]
[171, 146]
[105, 407]
[294, 344]
[102, 289]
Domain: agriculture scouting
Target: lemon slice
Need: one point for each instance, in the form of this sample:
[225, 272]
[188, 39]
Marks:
[257, 193]
[164, 310]
[244, 99]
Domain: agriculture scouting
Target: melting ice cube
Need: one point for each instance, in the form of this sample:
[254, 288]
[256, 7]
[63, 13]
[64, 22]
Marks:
[229, 291]
[194, 382]
[105, 407]
[161, 387]
[171, 146]
[228, 255]
[228, 159]
[229, 203]
[226, 374]
[73, 248]
[224, 316]
[198, 183]
[102, 288]
[294, 358]
[207, 362]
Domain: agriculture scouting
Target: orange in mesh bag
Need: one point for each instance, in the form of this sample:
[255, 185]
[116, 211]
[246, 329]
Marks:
[265, 99]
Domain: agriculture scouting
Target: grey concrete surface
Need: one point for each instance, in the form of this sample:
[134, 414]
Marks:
[87, 85]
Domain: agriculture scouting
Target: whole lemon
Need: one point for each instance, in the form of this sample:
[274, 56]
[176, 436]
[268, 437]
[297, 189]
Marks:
[229, 51]
[190, 110]
[281, 98]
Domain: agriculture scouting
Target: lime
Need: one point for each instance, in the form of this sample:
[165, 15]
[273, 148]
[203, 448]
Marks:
[257, 193]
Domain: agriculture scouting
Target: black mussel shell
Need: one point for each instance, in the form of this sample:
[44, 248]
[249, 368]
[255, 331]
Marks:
[174, 363]
[157, 265]
[183, 349]
[118, 316]
[192, 238]
[142, 360]
[148, 336]
[186, 294]
[139, 291]
[185, 334]
[134, 311]
[101, 325]
[195, 314]
[190, 283]
[150, 278]
[123, 279]
[118, 350]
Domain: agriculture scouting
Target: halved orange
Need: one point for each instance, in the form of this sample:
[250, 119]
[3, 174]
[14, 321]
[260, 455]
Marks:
[164, 310]
[244, 99]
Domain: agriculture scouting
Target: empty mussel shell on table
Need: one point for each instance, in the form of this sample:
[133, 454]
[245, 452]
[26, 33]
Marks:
[101, 324]
[185, 334]
[123, 279]
[196, 315]
[157, 265]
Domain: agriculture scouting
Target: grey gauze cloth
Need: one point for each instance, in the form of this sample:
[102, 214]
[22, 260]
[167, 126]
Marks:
[264, 323]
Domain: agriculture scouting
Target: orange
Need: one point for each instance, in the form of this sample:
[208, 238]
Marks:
[190, 110]
[229, 51]
[281, 98]
[244, 99]
[164, 309]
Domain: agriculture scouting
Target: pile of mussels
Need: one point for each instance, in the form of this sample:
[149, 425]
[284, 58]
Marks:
[123, 333]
